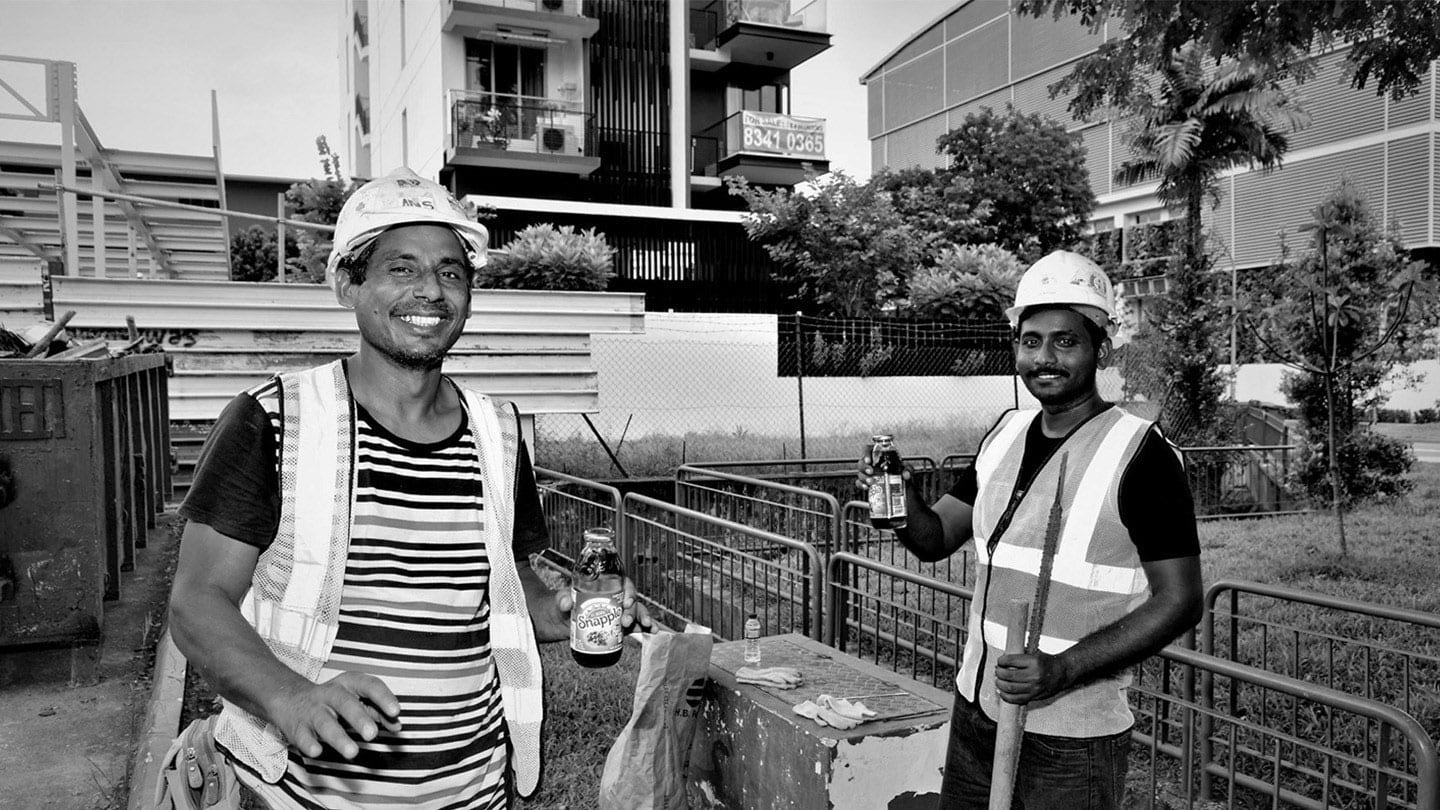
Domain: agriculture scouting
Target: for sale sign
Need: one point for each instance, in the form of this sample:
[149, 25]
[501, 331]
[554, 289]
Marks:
[785, 135]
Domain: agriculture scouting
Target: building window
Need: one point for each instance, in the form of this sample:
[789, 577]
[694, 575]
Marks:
[769, 98]
[497, 68]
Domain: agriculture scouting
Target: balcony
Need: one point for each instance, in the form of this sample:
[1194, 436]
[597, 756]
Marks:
[755, 36]
[535, 21]
[764, 148]
[525, 133]
[361, 27]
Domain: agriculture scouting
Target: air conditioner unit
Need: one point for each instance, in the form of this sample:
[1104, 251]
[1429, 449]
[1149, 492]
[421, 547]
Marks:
[557, 140]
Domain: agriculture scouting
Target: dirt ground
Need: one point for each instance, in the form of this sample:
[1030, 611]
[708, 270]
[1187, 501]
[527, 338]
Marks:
[68, 726]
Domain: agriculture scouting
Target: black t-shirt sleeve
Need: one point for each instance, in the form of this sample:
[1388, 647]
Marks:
[531, 536]
[1155, 502]
[966, 486]
[236, 489]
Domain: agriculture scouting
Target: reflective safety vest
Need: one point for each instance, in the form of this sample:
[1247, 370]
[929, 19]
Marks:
[1096, 576]
[294, 597]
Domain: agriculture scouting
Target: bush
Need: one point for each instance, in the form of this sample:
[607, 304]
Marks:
[1372, 467]
[543, 257]
[1425, 416]
[1394, 415]
[252, 254]
[970, 282]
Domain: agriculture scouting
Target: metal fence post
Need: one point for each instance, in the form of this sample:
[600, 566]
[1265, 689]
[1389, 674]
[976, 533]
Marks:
[800, 383]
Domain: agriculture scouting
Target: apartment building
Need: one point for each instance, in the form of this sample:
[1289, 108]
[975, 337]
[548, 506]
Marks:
[619, 115]
[980, 54]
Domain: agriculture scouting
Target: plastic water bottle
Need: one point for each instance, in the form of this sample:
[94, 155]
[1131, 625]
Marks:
[752, 639]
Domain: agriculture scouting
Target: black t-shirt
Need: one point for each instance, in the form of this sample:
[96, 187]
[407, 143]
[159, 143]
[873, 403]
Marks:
[1155, 501]
[236, 487]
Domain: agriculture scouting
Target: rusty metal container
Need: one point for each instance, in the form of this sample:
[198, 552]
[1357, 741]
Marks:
[86, 445]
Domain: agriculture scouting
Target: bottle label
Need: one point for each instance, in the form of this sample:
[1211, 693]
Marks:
[595, 624]
[887, 496]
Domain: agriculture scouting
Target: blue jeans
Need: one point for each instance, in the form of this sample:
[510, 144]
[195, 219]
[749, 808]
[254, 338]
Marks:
[1064, 773]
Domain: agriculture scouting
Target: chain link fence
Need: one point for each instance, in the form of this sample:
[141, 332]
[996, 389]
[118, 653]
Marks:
[719, 387]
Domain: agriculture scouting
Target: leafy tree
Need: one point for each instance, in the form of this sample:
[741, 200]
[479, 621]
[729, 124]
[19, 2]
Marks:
[317, 200]
[542, 257]
[1342, 314]
[252, 254]
[1193, 128]
[969, 282]
[1015, 180]
[1390, 42]
[842, 244]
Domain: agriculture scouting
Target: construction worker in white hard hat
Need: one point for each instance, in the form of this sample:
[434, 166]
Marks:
[1083, 511]
[356, 557]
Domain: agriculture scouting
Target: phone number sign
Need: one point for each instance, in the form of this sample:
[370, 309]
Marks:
[783, 134]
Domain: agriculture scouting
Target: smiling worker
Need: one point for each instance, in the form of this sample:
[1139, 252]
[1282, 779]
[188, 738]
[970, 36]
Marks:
[1123, 564]
[354, 577]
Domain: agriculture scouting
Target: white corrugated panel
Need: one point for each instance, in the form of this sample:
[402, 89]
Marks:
[913, 91]
[1267, 204]
[1412, 109]
[1407, 199]
[1097, 157]
[1033, 96]
[1337, 111]
[977, 62]
[915, 145]
[529, 346]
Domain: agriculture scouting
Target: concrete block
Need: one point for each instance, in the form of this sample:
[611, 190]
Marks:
[755, 752]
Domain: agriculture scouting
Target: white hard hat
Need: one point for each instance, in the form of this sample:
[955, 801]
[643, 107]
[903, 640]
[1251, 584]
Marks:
[1067, 279]
[402, 198]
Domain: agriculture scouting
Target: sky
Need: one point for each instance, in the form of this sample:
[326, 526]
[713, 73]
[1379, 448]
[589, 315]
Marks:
[146, 69]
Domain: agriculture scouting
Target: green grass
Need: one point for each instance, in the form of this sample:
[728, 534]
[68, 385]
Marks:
[1428, 432]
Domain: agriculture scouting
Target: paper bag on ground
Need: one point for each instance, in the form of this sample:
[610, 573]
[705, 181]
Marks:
[645, 769]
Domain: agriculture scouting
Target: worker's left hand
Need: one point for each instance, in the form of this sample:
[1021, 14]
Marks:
[1022, 678]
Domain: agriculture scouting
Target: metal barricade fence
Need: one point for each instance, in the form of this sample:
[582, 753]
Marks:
[795, 512]
[1265, 738]
[1272, 741]
[859, 537]
[1387, 654]
[571, 505]
[1240, 480]
[895, 617]
[833, 475]
[693, 567]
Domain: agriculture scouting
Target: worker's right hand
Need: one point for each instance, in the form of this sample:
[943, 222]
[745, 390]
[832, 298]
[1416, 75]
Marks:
[864, 472]
[319, 715]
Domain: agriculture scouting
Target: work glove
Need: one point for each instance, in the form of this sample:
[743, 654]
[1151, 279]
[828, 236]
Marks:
[834, 712]
[774, 677]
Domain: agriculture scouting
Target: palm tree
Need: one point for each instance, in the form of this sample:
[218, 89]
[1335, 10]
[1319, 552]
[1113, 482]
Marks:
[1199, 124]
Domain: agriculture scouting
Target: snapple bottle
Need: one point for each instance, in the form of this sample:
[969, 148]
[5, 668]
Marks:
[887, 487]
[598, 587]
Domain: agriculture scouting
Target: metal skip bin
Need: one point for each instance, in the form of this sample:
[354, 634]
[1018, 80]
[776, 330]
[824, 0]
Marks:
[85, 468]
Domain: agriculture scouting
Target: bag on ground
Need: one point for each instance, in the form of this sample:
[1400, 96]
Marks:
[646, 767]
[194, 774]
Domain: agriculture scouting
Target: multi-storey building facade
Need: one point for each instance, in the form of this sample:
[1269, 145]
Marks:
[980, 54]
[617, 115]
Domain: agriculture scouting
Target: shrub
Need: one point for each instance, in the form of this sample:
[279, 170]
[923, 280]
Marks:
[1425, 416]
[968, 282]
[1372, 466]
[1395, 415]
[543, 257]
[252, 254]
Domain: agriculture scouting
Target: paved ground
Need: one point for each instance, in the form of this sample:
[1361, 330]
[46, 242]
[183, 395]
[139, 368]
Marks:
[1427, 451]
[70, 716]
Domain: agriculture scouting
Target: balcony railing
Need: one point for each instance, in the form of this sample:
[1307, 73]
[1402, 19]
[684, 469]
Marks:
[520, 123]
[747, 131]
[550, 6]
[774, 12]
